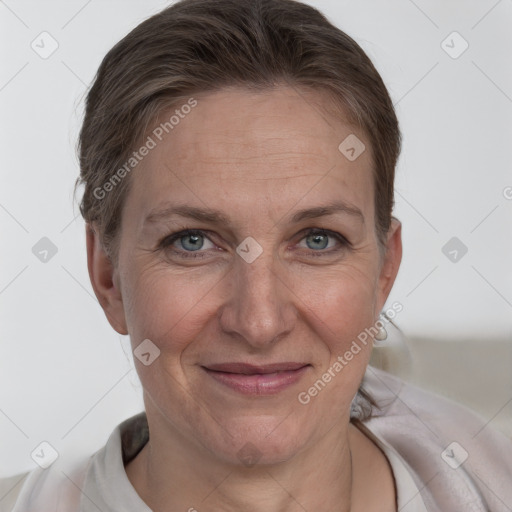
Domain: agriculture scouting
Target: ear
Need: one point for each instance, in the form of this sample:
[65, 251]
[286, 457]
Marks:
[104, 280]
[390, 264]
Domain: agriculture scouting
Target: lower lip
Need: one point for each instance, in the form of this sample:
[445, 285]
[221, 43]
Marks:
[258, 384]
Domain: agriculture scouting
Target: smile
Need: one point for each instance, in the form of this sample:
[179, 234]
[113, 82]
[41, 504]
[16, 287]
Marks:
[257, 380]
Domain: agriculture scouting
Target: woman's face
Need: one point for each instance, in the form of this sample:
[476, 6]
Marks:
[282, 268]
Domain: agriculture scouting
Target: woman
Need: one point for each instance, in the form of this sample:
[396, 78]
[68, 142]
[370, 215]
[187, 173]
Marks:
[238, 159]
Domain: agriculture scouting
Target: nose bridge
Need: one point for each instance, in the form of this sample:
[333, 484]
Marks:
[260, 307]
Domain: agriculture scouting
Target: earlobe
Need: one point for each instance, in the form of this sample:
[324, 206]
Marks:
[391, 262]
[104, 280]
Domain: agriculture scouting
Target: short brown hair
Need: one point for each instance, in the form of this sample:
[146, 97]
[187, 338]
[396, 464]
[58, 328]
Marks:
[197, 46]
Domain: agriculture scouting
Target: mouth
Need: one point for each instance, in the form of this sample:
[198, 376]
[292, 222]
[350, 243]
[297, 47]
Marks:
[249, 379]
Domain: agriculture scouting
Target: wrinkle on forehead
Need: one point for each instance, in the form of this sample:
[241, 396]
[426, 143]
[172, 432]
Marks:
[272, 149]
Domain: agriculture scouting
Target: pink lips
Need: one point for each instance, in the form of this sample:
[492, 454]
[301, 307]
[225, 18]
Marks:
[257, 380]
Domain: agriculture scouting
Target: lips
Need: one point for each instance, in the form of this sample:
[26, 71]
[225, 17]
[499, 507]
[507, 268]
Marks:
[250, 369]
[259, 380]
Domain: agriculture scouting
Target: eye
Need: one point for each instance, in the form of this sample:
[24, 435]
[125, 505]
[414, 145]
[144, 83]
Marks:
[318, 240]
[188, 241]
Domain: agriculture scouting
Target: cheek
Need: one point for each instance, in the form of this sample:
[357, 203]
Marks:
[164, 307]
[341, 306]
[342, 299]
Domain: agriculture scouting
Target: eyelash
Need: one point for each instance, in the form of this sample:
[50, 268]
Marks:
[167, 242]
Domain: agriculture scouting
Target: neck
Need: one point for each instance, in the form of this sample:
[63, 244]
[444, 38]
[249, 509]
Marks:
[171, 473]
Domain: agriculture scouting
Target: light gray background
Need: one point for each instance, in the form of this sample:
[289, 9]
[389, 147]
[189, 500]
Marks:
[65, 376]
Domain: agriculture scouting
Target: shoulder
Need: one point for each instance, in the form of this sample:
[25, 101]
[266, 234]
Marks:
[10, 488]
[406, 403]
[446, 445]
[61, 486]
[47, 489]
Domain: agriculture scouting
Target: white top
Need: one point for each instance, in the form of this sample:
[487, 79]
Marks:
[407, 492]
[107, 487]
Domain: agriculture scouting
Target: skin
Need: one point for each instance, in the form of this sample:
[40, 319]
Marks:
[258, 158]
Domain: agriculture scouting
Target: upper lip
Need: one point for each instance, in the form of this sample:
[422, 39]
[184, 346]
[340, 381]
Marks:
[252, 369]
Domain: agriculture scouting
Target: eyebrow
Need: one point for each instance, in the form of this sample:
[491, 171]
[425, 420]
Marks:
[217, 217]
[200, 214]
[329, 209]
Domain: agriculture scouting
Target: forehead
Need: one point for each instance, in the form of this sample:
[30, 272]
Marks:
[274, 146]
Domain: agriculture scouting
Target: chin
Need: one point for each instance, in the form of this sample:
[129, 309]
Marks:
[260, 440]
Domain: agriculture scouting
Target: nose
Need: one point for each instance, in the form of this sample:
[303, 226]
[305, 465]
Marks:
[259, 307]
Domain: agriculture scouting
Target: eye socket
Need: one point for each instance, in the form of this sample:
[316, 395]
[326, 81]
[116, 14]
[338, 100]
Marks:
[191, 241]
[194, 241]
[321, 238]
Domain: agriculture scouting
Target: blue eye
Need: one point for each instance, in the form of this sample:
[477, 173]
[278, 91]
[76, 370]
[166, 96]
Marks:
[192, 242]
[318, 240]
[188, 241]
